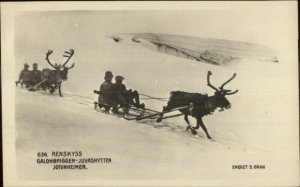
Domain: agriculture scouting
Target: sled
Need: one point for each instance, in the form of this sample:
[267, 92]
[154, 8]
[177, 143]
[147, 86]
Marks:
[136, 113]
[18, 82]
[132, 110]
[156, 115]
[35, 87]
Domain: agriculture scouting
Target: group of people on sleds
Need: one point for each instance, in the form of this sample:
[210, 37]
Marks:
[29, 77]
[111, 95]
[115, 95]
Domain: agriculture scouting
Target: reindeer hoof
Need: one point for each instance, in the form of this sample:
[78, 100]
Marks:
[187, 128]
[194, 132]
[159, 119]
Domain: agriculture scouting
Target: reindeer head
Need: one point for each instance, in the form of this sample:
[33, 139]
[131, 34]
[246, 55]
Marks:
[62, 69]
[219, 100]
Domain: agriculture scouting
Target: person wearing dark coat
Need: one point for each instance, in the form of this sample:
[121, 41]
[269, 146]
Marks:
[107, 96]
[126, 97]
[35, 75]
[24, 77]
[106, 93]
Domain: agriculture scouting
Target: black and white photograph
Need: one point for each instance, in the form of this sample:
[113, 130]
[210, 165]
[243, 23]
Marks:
[150, 93]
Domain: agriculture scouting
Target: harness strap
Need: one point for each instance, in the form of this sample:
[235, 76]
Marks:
[157, 98]
[39, 83]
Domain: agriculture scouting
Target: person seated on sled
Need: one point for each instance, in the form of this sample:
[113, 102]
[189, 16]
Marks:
[24, 76]
[106, 93]
[35, 75]
[126, 97]
[106, 89]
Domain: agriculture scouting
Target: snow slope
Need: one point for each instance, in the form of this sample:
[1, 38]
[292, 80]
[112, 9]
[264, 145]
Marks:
[162, 151]
[255, 130]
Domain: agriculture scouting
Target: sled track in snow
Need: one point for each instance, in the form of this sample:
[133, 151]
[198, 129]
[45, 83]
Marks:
[164, 125]
[224, 142]
[89, 103]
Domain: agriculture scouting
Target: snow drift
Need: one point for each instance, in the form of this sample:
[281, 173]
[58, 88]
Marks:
[213, 51]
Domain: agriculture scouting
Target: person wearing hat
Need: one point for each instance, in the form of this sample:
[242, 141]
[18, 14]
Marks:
[35, 75]
[126, 97]
[119, 90]
[24, 76]
[119, 86]
[106, 93]
[106, 87]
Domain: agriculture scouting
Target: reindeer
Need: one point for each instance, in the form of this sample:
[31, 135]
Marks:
[53, 78]
[199, 105]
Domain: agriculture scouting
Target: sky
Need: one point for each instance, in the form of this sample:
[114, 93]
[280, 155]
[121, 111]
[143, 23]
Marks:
[251, 24]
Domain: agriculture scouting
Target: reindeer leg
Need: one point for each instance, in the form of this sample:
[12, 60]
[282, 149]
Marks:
[200, 123]
[44, 86]
[186, 118]
[52, 88]
[193, 129]
[59, 89]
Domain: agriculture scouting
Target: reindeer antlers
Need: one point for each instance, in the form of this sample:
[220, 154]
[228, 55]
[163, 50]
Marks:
[47, 58]
[208, 81]
[68, 55]
[71, 66]
[49, 53]
[228, 92]
[228, 81]
[221, 88]
[232, 92]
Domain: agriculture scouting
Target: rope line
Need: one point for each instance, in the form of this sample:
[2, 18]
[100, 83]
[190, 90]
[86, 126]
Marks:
[157, 98]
